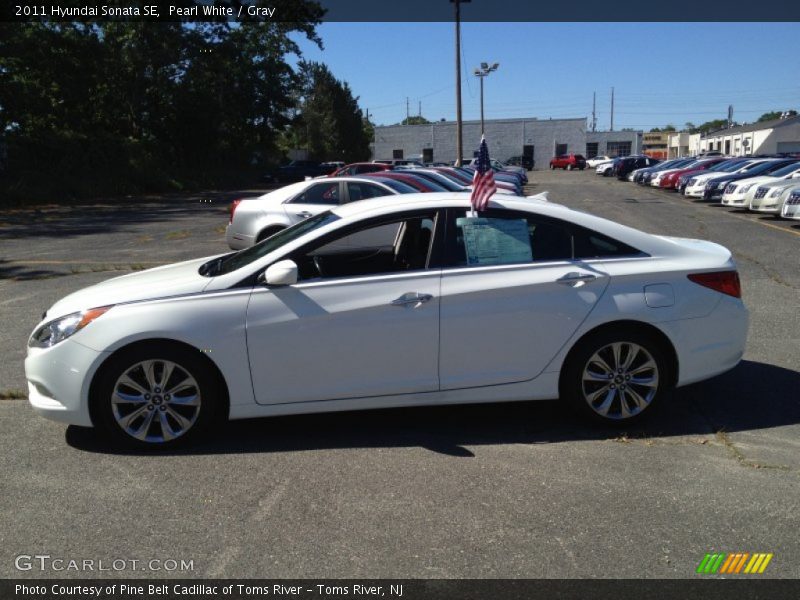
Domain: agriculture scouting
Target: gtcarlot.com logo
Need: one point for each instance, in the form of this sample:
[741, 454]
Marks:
[734, 563]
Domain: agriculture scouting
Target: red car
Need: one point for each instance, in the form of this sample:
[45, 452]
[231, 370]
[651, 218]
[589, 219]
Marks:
[568, 162]
[670, 181]
[359, 169]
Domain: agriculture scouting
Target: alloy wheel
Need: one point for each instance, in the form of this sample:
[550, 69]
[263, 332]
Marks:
[156, 401]
[620, 380]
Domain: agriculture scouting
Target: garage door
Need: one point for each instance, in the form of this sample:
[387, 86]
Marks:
[788, 146]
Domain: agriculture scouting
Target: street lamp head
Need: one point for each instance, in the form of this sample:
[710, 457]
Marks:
[494, 66]
[484, 66]
[477, 72]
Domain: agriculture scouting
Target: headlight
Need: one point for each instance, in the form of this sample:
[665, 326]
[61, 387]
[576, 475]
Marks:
[60, 329]
[721, 185]
[744, 188]
[776, 192]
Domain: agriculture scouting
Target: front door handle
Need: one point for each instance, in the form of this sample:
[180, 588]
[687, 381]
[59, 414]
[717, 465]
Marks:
[304, 214]
[411, 298]
[573, 277]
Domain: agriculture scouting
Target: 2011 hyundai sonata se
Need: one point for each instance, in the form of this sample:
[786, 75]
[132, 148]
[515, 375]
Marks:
[394, 302]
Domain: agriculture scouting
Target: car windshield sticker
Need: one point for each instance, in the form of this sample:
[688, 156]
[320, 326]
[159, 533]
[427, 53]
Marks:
[495, 241]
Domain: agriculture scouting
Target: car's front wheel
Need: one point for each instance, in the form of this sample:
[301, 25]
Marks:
[616, 377]
[152, 397]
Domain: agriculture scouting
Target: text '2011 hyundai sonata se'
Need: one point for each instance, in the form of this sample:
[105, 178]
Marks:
[390, 302]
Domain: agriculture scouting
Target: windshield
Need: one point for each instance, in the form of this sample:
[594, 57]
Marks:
[397, 186]
[232, 262]
[735, 166]
[787, 170]
[449, 184]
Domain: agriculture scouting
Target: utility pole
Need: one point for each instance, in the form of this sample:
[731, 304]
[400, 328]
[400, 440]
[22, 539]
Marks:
[459, 138]
[594, 114]
[730, 116]
[612, 109]
[419, 114]
[407, 115]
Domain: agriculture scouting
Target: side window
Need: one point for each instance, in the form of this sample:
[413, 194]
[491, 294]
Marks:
[321, 193]
[502, 237]
[362, 191]
[384, 247]
[590, 244]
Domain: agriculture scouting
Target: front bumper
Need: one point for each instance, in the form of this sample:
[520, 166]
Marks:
[734, 200]
[58, 381]
[713, 194]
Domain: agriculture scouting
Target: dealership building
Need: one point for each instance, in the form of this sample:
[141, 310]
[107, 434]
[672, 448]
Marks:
[540, 139]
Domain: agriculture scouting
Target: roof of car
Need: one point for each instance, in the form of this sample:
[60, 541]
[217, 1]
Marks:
[376, 207]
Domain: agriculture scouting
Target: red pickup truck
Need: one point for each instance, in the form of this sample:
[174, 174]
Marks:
[568, 162]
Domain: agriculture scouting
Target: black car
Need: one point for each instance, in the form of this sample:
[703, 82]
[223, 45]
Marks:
[623, 166]
[716, 187]
[526, 162]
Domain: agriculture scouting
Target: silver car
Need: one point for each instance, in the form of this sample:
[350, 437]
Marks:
[255, 219]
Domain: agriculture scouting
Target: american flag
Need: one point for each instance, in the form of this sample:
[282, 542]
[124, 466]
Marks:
[483, 185]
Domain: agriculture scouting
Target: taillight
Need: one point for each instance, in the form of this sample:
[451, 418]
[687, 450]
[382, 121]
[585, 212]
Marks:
[725, 282]
[234, 204]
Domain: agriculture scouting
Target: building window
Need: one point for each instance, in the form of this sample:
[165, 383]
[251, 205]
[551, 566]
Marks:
[397, 154]
[561, 149]
[427, 155]
[618, 148]
[591, 149]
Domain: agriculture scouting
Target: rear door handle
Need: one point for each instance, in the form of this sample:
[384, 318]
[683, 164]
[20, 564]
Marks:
[305, 214]
[411, 298]
[574, 277]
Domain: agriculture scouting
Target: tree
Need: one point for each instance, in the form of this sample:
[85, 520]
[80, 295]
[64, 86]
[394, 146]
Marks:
[689, 126]
[775, 114]
[669, 127]
[415, 120]
[115, 107]
[329, 123]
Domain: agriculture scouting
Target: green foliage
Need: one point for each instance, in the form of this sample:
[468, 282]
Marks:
[329, 123]
[709, 126]
[775, 114]
[418, 120]
[119, 107]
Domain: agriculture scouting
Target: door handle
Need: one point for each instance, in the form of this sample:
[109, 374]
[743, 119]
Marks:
[573, 277]
[411, 298]
[304, 213]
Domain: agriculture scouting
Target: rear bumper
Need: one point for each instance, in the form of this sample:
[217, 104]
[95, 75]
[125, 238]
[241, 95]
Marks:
[237, 240]
[710, 345]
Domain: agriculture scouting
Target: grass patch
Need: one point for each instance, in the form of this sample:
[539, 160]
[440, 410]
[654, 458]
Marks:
[178, 235]
[13, 395]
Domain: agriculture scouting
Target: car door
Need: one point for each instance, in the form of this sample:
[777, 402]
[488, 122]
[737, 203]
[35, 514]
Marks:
[315, 199]
[362, 320]
[511, 297]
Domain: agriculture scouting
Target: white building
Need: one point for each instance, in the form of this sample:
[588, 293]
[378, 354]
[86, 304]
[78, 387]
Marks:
[768, 137]
[678, 144]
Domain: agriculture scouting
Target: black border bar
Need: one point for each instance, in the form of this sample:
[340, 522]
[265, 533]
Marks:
[412, 10]
[711, 588]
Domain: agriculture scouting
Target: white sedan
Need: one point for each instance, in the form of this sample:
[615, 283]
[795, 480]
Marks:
[791, 206]
[255, 219]
[389, 303]
[743, 191]
[596, 161]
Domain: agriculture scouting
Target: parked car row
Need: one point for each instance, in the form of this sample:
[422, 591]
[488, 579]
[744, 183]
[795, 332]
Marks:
[255, 219]
[765, 184]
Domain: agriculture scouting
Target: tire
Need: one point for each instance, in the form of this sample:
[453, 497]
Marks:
[270, 231]
[615, 401]
[170, 412]
[552, 167]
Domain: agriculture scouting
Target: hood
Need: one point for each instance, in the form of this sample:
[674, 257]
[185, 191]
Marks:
[161, 282]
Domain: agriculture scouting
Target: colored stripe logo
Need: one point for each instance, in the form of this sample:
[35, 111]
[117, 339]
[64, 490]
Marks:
[734, 563]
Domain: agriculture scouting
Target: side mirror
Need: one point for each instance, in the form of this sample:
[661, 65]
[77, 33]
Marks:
[283, 272]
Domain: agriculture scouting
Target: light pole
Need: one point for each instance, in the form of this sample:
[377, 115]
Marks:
[480, 73]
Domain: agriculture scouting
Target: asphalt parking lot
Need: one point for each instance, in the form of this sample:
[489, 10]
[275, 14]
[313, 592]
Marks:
[516, 490]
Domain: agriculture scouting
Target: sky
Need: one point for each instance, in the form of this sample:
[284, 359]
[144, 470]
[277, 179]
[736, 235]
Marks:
[662, 73]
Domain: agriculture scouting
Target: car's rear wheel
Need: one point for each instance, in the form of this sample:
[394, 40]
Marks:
[152, 397]
[616, 377]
